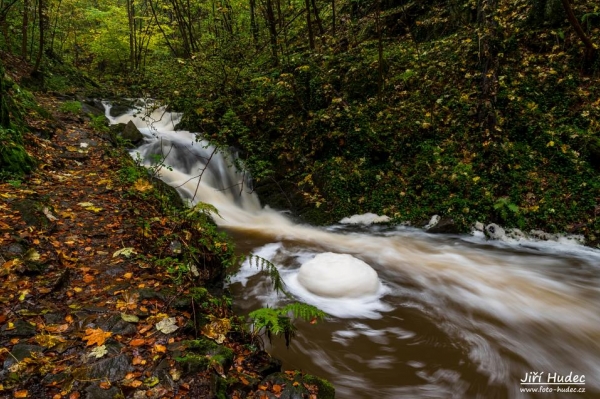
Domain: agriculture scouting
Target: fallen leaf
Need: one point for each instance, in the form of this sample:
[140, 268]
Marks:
[127, 252]
[276, 388]
[21, 394]
[88, 278]
[142, 185]
[159, 348]
[49, 214]
[128, 275]
[74, 395]
[105, 384]
[131, 318]
[167, 326]
[99, 351]
[135, 383]
[85, 204]
[48, 340]
[137, 342]
[31, 255]
[96, 336]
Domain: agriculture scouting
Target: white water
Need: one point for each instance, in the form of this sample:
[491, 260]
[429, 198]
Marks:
[505, 308]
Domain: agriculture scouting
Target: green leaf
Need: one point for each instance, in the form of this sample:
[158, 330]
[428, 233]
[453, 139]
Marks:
[131, 318]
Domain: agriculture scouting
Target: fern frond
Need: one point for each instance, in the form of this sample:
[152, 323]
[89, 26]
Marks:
[268, 266]
[204, 208]
[303, 311]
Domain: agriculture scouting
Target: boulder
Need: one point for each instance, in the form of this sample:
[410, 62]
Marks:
[444, 226]
[132, 134]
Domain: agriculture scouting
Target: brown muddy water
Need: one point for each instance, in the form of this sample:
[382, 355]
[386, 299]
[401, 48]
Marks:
[410, 315]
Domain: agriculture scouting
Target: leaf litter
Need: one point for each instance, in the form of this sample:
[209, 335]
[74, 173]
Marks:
[73, 276]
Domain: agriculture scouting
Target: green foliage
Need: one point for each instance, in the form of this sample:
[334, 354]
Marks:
[280, 322]
[272, 271]
[14, 160]
[73, 107]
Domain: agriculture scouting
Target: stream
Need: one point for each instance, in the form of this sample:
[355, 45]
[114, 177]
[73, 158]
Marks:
[410, 314]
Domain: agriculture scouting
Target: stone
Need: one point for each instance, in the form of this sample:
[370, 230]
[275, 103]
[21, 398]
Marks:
[479, 226]
[21, 329]
[132, 134]
[95, 392]
[20, 352]
[494, 231]
[432, 222]
[444, 226]
[113, 368]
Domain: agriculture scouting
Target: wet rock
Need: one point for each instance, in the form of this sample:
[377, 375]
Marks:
[21, 329]
[326, 390]
[95, 392]
[117, 325]
[432, 222]
[479, 226]
[92, 110]
[20, 352]
[15, 249]
[132, 134]
[112, 368]
[494, 231]
[119, 109]
[202, 353]
[444, 226]
[290, 389]
[31, 213]
[263, 363]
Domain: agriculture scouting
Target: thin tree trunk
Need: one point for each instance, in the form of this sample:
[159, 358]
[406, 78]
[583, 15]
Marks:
[489, 65]
[380, 54]
[161, 28]
[130, 19]
[333, 18]
[590, 50]
[272, 31]
[311, 38]
[317, 18]
[253, 24]
[42, 27]
[24, 28]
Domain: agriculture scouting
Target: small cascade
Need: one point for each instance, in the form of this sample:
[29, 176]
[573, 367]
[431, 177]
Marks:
[412, 314]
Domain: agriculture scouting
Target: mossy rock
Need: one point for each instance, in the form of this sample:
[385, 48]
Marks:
[326, 390]
[14, 161]
[202, 353]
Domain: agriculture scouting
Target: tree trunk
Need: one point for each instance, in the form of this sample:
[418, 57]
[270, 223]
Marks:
[42, 27]
[130, 18]
[24, 28]
[272, 31]
[311, 37]
[4, 111]
[253, 24]
[591, 52]
[489, 65]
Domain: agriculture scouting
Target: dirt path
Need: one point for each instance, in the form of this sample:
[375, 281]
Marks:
[85, 309]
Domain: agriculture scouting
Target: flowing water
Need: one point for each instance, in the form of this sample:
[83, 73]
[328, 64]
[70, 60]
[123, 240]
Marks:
[443, 317]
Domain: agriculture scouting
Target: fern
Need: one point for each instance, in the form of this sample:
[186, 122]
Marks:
[203, 208]
[279, 322]
[268, 266]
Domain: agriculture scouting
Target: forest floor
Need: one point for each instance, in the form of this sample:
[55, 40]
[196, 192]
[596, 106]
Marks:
[84, 309]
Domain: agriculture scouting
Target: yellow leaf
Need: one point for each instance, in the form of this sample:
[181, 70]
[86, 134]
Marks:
[160, 348]
[21, 394]
[96, 336]
[142, 185]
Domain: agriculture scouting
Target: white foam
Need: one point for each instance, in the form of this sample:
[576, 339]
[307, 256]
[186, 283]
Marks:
[365, 219]
[338, 276]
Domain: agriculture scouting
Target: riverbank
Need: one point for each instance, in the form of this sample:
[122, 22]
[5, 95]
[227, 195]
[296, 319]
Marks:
[109, 289]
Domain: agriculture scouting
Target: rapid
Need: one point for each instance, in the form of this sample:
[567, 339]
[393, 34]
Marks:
[410, 314]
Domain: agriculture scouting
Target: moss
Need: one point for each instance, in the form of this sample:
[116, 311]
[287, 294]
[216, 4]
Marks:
[326, 390]
[193, 363]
